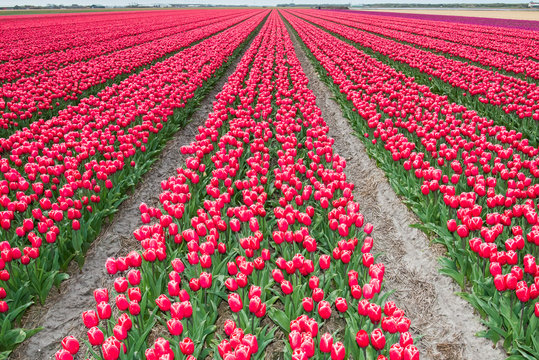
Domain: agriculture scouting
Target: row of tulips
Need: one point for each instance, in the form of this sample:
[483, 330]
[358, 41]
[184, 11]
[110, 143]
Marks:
[112, 37]
[60, 179]
[518, 42]
[498, 29]
[512, 94]
[27, 36]
[257, 234]
[472, 183]
[501, 53]
[31, 98]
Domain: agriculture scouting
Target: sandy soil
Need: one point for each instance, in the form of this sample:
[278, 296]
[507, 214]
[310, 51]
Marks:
[61, 315]
[446, 322]
[532, 14]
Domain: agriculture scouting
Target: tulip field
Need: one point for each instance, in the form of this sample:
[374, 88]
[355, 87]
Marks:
[256, 247]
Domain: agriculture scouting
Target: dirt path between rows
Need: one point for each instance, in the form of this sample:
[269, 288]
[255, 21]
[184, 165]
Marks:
[61, 315]
[445, 321]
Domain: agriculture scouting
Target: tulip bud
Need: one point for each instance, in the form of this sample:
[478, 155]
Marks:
[95, 336]
[63, 355]
[235, 303]
[324, 309]
[326, 343]
[90, 318]
[229, 327]
[308, 304]
[187, 346]
[378, 339]
[175, 327]
[362, 339]
[337, 351]
[70, 344]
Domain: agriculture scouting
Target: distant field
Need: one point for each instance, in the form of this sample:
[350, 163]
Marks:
[67, 11]
[71, 11]
[494, 14]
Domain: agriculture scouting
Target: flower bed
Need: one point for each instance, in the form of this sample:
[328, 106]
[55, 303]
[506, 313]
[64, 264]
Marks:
[257, 234]
[472, 183]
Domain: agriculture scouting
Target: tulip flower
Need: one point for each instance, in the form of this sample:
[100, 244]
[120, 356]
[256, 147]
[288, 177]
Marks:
[95, 336]
[175, 327]
[111, 349]
[396, 352]
[187, 346]
[235, 303]
[104, 310]
[63, 355]
[294, 339]
[70, 344]
[341, 304]
[308, 304]
[286, 287]
[337, 351]
[326, 343]
[378, 339]
[299, 354]
[90, 318]
[362, 339]
[411, 353]
[324, 309]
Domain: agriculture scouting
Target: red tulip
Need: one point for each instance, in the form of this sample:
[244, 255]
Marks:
[326, 343]
[101, 295]
[341, 304]
[224, 347]
[324, 309]
[90, 318]
[411, 353]
[396, 352]
[134, 277]
[299, 354]
[325, 262]
[70, 344]
[163, 302]
[308, 305]
[254, 304]
[111, 349]
[286, 287]
[187, 346]
[104, 310]
[194, 284]
[175, 327]
[251, 342]
[318, 294]
[229, 327]
[111, 266]
[314, 282]
[119, 332]
[277, 275]
[234, 301]
[95, 336]
[523, 292]
[337, 351]
[362, 338]
[378, 339]
[405, 339]
[205, 280]
[294, 338]
[134, 307]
